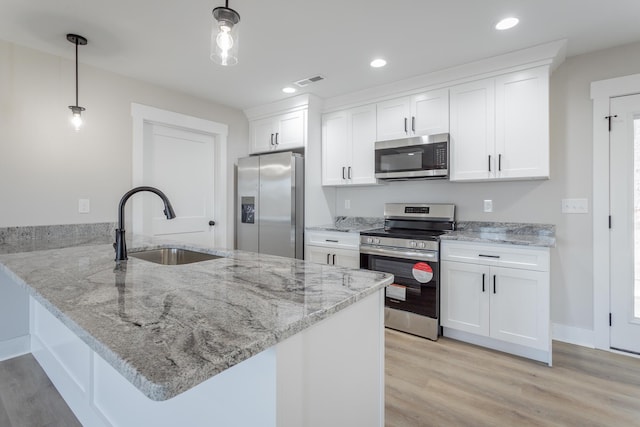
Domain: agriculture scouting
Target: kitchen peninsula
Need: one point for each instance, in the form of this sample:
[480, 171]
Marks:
[243, 340]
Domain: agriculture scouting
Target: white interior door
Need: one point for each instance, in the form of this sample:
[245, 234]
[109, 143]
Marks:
[625, 225]
[180, 163]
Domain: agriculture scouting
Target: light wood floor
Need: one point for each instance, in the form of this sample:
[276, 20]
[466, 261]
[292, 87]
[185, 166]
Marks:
[449, 383]
[443, 383]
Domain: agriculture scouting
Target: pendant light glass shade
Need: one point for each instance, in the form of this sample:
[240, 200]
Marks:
[224, 36]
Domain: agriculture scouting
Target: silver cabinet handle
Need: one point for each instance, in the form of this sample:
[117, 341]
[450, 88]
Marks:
[489, 256]
[334, 259]
[489, 162]
[405, 126]
[482, 282]
[271, 139]
[349, 172]
[328, 255]
[343, 168]
[331, 240]
[277, 138]
[413, 123]
[494, 283]
[499, 162]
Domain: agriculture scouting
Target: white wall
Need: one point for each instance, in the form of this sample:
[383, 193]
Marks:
[535, 201]
[45, 166]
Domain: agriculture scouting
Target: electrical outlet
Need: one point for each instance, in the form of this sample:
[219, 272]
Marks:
[84, 206]
[488, 205]
[575, 206]
[347, 204]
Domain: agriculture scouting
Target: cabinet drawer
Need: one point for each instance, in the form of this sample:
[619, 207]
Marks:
[333, 239]
[501, 255]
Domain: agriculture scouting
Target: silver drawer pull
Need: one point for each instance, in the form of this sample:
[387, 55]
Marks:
[331, 240]
[489, 256]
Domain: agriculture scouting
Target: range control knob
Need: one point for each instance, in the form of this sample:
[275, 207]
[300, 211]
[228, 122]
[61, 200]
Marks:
[376, 241]
[369, 240]
[413, 244]
[421, 245]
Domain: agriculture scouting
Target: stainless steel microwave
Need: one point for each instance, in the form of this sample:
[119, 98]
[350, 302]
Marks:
[420, 157]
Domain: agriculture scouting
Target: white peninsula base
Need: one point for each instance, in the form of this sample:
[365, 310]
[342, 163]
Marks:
[330, 374]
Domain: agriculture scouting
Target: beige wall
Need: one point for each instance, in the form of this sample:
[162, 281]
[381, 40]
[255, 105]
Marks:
[536, 201]
[45, 166]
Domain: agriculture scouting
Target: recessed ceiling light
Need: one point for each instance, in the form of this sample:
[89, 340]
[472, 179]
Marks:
[377, 63]
[289, 89]
[507, 23]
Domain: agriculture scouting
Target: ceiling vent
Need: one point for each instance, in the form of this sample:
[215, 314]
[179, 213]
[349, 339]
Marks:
[308, 81]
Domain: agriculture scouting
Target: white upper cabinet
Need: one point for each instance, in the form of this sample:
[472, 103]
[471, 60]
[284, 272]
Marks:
[348, 139]
[522, 124]
[500, 127]
[281, 132]
[472, 130]
[421, 114]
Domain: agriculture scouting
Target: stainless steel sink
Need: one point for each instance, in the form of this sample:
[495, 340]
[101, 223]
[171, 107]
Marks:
[173, 256]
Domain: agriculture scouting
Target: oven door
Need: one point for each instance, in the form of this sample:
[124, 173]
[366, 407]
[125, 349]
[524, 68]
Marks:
[411, 158]
[416, 285]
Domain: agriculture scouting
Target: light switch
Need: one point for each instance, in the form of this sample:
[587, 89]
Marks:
[575, 206]
[84, 206]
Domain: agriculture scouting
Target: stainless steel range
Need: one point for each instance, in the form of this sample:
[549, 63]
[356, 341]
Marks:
[408, 247]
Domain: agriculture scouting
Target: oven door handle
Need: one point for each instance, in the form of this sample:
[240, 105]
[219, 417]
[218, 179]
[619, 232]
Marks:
[400, 253]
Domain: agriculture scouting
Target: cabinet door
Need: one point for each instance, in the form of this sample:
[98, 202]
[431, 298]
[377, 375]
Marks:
[464, 300]
[393, 118]
[317, 254]
[522, 124]
[262, 136]
[335, 148]
[430, 113]
[520, 307]
[290, 130]
[346, 258]
[473, 131]
[362, 142]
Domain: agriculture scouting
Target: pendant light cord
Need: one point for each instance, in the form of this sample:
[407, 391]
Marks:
[77, 72]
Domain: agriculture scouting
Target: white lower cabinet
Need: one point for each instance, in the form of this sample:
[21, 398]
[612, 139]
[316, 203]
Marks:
[333, 248]
[497, 296]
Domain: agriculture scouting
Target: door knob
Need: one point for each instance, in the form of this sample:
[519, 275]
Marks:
[212, 223]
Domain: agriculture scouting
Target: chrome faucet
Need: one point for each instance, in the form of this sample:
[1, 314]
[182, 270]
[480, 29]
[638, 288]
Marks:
[120, 245]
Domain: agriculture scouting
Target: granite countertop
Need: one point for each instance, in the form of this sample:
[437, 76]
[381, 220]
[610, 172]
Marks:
[351, 224]
[169, 328]
[540, 235]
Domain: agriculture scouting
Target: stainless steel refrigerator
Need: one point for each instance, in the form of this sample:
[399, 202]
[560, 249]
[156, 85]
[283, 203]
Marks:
[271, 204]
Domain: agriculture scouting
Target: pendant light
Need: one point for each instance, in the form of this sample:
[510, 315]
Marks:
[224, 35]
[76, 110]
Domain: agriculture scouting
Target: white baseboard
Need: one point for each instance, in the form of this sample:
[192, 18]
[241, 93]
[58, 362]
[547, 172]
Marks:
[15, 347]
[573, 335]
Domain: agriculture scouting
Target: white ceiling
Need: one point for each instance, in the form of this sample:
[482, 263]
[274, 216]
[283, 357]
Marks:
[281, 41]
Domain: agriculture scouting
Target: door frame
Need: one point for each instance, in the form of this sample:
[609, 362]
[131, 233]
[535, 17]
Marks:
[601, 93]
[142, 114]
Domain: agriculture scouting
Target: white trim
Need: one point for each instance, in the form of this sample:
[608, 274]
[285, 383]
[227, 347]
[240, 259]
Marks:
[601, 93]
[572, 335]
[15, 347]
[145, 114]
